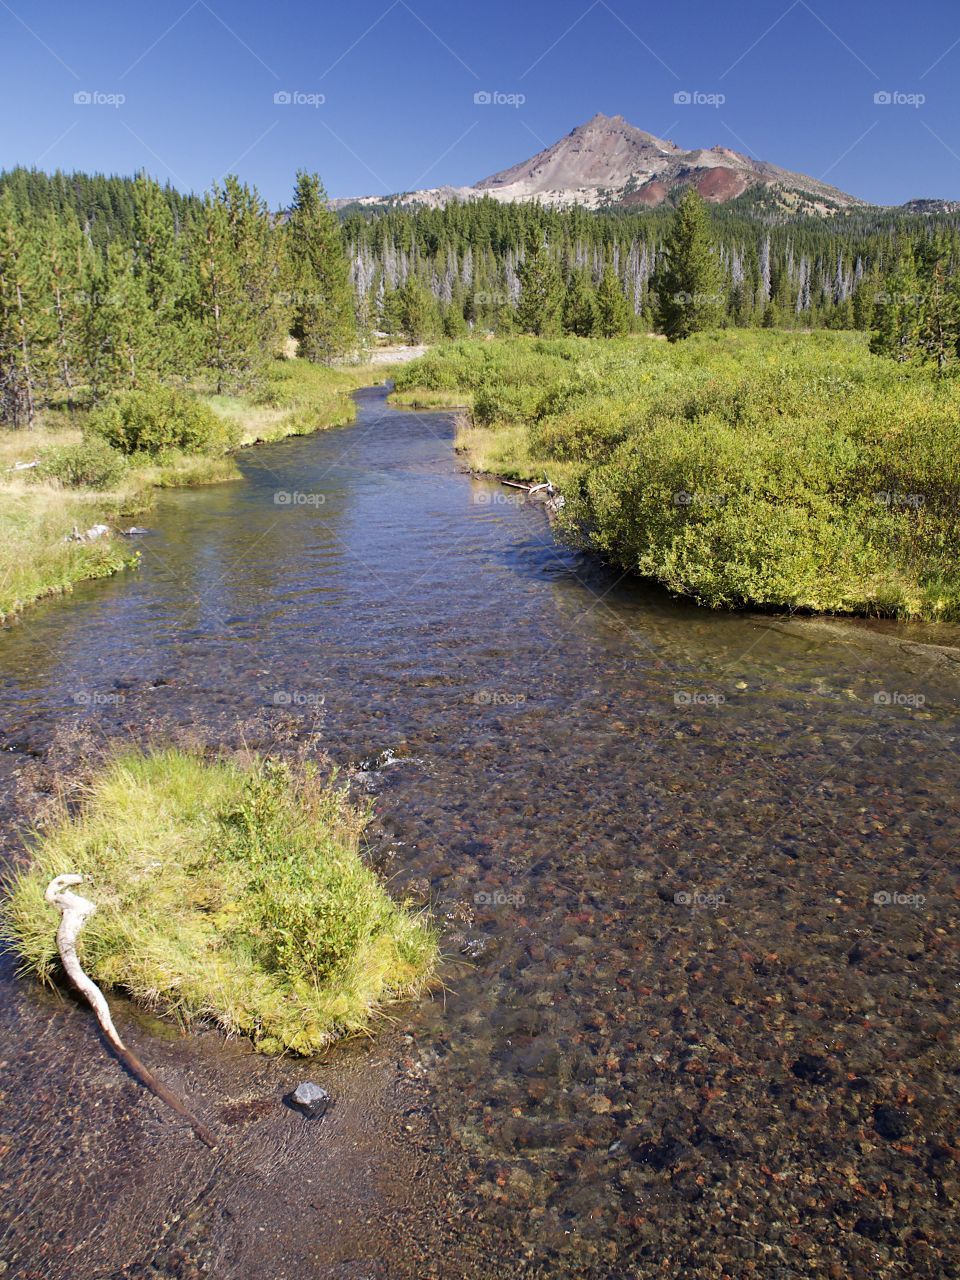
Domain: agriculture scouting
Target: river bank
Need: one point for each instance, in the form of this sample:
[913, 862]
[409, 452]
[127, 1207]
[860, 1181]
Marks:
[39, 554]
[772, 470]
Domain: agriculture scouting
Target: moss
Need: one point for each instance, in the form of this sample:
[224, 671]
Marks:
[226, 893]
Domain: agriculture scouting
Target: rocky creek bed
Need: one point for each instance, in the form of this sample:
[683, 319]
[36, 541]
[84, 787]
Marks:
[697, 874]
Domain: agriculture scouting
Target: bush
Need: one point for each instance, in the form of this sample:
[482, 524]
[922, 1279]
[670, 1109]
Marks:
[226, 893]
[92, 464]
[784, 469]
[158, 419]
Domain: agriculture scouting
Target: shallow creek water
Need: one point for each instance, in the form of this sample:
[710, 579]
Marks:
[697, 875]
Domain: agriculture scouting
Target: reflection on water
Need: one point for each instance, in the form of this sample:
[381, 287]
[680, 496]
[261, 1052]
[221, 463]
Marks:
[697, 871]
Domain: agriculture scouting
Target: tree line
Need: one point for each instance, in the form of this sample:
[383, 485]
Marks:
[176, 289]
[466, 264]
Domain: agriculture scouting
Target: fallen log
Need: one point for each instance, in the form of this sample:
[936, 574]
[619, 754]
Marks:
[74, 913]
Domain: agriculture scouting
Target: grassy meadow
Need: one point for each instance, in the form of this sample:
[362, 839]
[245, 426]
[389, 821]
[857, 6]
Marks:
[228, 893]
[740, 468]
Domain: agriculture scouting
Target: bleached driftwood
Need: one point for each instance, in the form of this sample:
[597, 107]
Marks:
[74, 913]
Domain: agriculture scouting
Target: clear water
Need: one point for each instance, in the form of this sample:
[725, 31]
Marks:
[697, 874]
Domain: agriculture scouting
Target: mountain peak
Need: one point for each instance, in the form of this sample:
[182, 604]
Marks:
[607, 161]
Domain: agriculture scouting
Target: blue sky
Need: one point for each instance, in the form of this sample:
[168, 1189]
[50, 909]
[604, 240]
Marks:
[383, 90]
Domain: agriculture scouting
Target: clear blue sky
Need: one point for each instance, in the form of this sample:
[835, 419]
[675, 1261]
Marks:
[399, 81]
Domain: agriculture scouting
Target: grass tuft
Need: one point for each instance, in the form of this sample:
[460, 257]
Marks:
[225, 893]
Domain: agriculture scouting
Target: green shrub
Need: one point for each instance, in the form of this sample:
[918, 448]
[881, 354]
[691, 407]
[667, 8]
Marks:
[737, 467]
[91, 464]
[227, 893]
[158, 419]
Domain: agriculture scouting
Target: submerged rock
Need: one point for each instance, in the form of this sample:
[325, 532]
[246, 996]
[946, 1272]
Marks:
[310, 1099]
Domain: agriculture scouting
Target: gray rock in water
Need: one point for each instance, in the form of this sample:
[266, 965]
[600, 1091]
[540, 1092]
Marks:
[310, 1099]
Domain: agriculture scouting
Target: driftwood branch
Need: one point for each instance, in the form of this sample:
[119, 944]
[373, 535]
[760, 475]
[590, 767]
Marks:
[74, 913]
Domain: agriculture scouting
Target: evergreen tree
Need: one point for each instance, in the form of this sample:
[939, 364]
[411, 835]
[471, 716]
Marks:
[24, 321]
[454, 321]
[236, 301]
[158, 268]
[897, 311]
[940, 327]
[579, 305]
[688, 283]
[118, 325]
[417, 312]
[390, 311]
[613, 314]
[69, 263]
[324, 319]
[540, 305]
[863, 297]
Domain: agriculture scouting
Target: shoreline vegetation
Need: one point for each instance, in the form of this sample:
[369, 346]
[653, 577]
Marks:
[75, 487]
[741, 469]
[230, 893]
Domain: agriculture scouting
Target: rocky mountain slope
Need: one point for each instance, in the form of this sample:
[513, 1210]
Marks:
[609, 161]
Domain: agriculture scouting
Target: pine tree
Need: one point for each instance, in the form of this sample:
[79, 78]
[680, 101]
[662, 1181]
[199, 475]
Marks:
[897, 312]
[389, 311]
[324, 319]
[417, 310]
[454, 320]
[613, 315]
[688, 282]
[579, 305]
[540, 305]
[237, 301]
[24, 319]
[863, 299]
[68, 258]
[158, 268]
[118, 325]
[940, 327]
